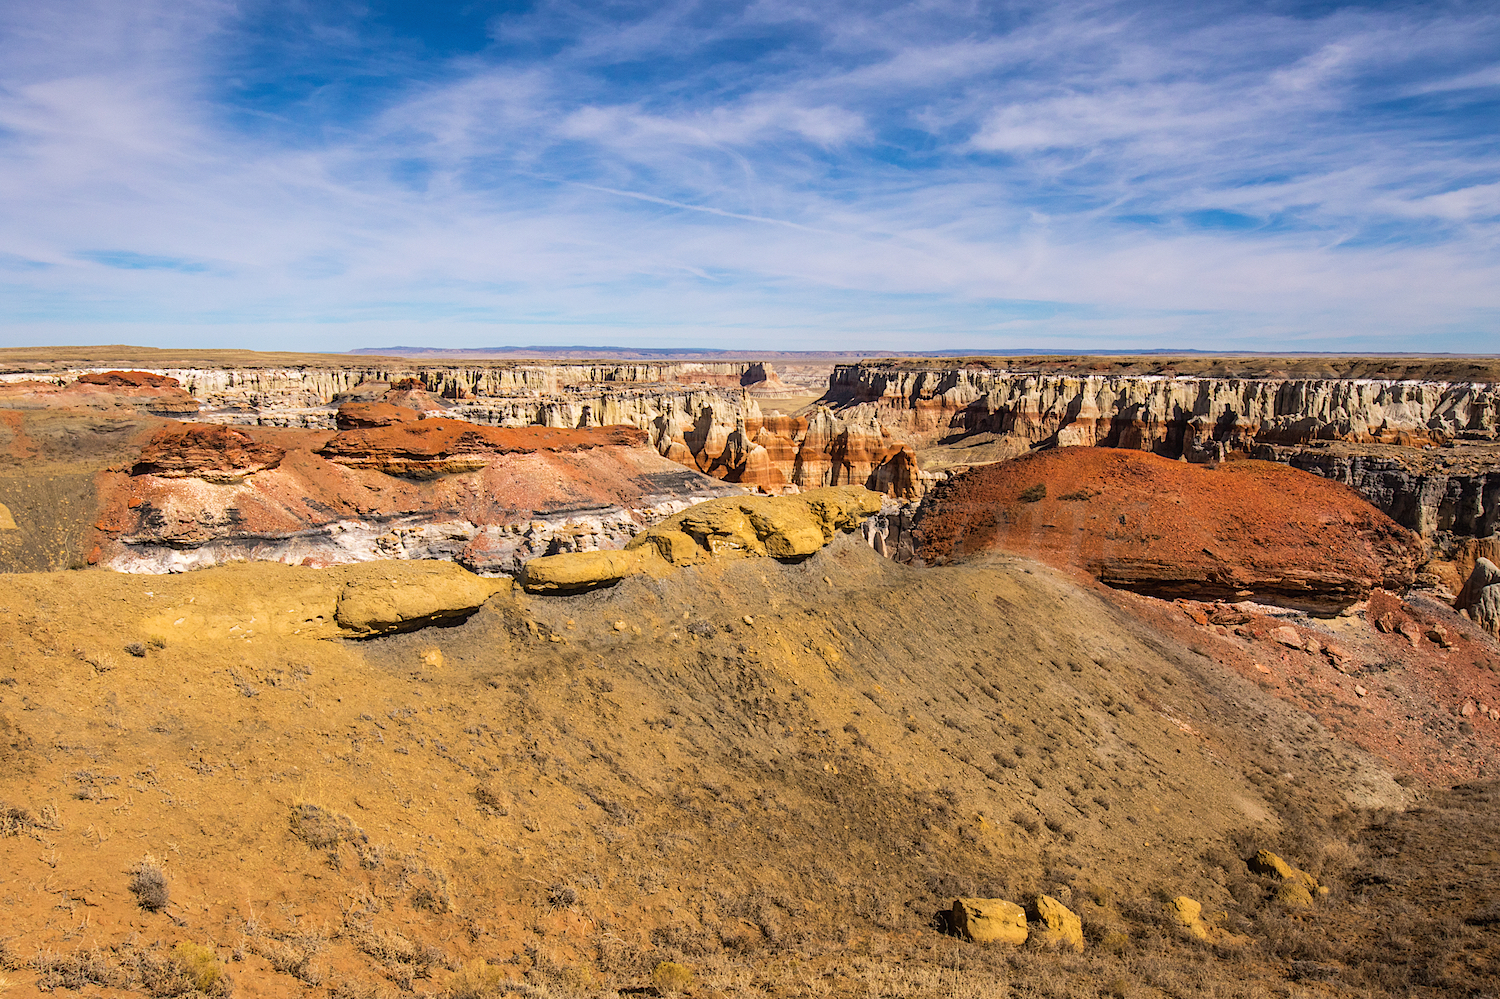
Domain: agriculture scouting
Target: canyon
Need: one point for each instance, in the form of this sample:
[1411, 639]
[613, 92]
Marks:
[589, 680]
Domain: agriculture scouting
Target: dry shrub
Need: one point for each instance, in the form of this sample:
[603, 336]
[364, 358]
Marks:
[15, 820]
[488, 797]
[198, 963]
[323, 829]
[293, 955]
[76, 970]
[148, 883]
[476, 980]
[670, 976]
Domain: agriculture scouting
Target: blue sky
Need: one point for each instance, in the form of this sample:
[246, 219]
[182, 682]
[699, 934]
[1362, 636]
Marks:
[320, 174]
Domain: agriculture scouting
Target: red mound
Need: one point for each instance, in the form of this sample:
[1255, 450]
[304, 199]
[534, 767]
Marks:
[128, 379]
[206, 451]
[408, 393]
[1247, 529]
[103, 391]
[367, 415]
[430, 448]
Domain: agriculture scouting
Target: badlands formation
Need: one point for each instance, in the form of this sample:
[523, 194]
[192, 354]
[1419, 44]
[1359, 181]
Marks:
[596, 679]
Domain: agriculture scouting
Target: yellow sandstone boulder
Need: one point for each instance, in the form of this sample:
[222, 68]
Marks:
[728, 527]
[1061, 926]
[257, 599]
[1267, 863]
[990, 920]
[1189, 914]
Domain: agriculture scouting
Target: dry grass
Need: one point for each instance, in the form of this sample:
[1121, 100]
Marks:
[185, 970]
[148, 883]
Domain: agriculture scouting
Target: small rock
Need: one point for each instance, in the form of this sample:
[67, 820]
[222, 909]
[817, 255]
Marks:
[1360, 691]
[1412, 631]
[1294, 895]
[1263, 669]
[990, 920]
[749, 619]
[1287, 636]
[1267, 863]
[1467, 710]
[1438, 635]
[1061, 927]
[620, 625]
[1189, 914]
[1312, 645]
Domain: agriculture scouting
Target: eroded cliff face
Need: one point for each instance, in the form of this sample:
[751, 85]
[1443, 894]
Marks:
[705, 416]
[1454, 488]
[489, 499]
[1165, 414]
[1381, 436]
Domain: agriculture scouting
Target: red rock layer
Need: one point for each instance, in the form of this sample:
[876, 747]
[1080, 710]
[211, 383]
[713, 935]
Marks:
[105, 390]
[366, 415]
[429, 448]
[128, 379]
[596, 480]
[208, 451]
[1145, 523]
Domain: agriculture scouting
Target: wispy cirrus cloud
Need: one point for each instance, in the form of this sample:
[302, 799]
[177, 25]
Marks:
[922, 174]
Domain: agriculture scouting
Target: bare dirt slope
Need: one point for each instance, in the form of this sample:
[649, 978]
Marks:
[741, 766]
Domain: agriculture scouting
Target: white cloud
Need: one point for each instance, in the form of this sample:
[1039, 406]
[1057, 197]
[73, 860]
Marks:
[897, 155]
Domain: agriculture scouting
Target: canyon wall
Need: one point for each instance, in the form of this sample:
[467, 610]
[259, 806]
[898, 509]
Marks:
[1166, 414]
[1426, 452]
[705, 416]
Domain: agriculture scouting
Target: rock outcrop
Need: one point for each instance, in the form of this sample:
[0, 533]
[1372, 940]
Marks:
[989, 920]
[1171, 415]
[249, 600]
[365, 415]
[1245, 529]
[1060, 926]
[783, 527]
[487, 498]
[1188, 913]
[104, 391]
[1480, 597]
[704, 416]
[426, 449]
[206, 451]
[1423, 450]
[1453, 488]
